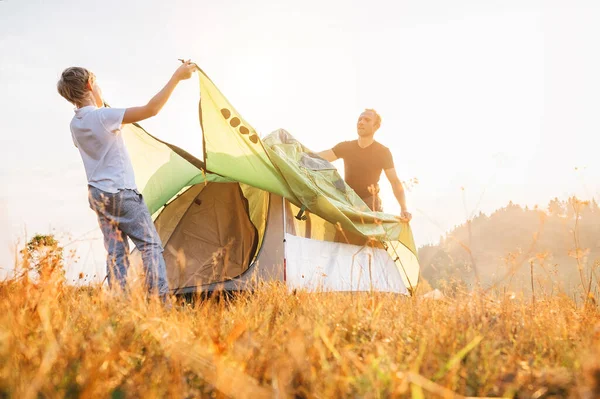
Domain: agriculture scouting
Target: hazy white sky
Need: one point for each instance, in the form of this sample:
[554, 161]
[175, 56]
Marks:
[498, 97]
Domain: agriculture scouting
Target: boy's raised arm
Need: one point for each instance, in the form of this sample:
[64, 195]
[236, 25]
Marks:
[136, 114]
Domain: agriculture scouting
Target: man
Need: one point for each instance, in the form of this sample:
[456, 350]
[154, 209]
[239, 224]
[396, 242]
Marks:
[364, 159]
[113, 195]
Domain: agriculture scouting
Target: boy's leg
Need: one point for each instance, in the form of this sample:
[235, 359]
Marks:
[137, 223]
[117, 260]
[106, 206]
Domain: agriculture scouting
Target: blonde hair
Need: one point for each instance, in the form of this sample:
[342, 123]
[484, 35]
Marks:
[73, 84]
[377, 116]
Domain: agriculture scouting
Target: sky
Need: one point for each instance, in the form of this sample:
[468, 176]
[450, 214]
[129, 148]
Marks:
[483, 101]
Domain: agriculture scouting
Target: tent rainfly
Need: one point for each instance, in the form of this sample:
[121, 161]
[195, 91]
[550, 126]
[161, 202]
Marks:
[263, 210]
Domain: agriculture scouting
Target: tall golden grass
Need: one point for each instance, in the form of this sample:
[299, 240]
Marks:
[58, 340]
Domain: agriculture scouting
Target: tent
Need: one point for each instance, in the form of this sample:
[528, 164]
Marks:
[263, 210]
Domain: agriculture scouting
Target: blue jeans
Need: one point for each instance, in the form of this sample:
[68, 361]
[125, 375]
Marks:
[123, 215]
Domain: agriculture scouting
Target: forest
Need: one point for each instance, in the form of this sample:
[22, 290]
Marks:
[548, 250]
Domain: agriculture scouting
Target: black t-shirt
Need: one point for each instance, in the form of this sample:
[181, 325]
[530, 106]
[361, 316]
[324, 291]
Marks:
[363, 166]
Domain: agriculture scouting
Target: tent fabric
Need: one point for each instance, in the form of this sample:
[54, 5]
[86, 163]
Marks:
[213, 240]
[277, 164]
[171, 215]
[162, 170]
[258, 205]
[314, 227]
[318, 191]
[406, 261]
[329, 266]
[232, 147]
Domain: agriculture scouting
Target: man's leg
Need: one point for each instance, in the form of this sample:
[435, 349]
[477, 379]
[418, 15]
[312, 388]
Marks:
[377, 204]
[106, 206]
[374, 203]
[137, 223]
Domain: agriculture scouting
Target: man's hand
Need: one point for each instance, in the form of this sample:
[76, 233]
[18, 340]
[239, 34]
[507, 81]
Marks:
[405, 216]
[185, 71]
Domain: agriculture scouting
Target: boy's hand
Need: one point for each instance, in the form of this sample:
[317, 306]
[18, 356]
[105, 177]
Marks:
[136, 114]
[185, 71]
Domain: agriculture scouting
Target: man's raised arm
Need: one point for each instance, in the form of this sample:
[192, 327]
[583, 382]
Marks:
[328, 155]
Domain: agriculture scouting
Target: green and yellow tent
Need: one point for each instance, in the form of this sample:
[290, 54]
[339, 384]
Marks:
[262, 209]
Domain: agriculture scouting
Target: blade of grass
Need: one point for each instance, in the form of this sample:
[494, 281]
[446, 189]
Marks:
[458, 357]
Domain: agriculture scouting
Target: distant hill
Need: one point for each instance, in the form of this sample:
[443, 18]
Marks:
[500, 248]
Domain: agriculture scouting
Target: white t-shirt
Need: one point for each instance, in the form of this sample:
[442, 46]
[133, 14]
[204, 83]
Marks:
[97, 134]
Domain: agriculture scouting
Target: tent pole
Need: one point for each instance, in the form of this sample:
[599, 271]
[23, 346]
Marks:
[284, 243]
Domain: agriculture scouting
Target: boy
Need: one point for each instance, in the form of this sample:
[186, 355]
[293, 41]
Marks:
[113, 195]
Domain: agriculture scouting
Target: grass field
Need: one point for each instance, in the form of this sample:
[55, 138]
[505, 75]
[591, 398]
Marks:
[62, 341]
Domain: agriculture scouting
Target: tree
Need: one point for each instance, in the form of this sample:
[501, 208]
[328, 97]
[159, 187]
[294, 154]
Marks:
[594, 206]
[44, 255]
[555, 207]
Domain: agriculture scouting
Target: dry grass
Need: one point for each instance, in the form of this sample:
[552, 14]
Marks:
[61, 341]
